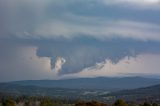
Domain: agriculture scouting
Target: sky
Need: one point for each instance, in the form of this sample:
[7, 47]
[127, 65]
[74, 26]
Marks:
[57, 39]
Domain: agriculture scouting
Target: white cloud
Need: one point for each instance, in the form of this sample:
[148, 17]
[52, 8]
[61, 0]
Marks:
[22, 63]
[58, 65]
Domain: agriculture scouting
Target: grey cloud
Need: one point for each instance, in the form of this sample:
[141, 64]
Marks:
[49, 19]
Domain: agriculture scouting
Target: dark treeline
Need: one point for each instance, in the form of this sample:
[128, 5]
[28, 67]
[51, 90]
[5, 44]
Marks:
[47, 101]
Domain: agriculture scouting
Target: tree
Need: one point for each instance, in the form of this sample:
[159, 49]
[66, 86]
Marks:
[26, 103]
[92, 103]
[8, 102]
[154, 104]
[120, 102]
[46, 102]
[146, 104]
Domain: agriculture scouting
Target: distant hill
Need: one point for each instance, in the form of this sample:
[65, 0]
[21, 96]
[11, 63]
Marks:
[110, 84]
[147, 91]
[103, 89]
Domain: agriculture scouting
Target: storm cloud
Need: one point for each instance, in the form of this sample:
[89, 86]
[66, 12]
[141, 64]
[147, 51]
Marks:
[83, 32]
[84, 52]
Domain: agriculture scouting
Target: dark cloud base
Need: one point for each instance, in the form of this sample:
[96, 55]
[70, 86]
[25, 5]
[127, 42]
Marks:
[82, 52]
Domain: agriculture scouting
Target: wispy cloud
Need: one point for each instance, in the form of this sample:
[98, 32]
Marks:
[101, 29]
[52, 19]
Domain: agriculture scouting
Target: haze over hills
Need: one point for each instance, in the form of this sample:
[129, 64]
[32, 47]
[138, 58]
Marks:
[106, 83]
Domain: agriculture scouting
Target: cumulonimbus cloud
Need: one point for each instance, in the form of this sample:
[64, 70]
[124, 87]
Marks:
[83, 32]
